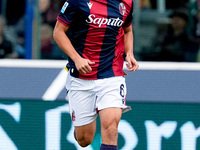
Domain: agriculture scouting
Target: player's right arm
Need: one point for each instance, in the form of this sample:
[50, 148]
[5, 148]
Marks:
[59, 34]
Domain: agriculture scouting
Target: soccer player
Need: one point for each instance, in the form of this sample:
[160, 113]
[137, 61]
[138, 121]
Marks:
[101, 32]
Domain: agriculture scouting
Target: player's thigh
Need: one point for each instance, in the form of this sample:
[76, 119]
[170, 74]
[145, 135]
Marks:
[110, 117]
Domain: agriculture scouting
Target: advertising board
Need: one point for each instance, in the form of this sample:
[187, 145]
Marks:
[46, 125]
[164, 97]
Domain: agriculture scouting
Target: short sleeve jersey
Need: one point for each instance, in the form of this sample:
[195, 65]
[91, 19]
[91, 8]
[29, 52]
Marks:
[97, 34]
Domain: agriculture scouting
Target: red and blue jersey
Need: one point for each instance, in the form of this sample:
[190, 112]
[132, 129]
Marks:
[97, 34]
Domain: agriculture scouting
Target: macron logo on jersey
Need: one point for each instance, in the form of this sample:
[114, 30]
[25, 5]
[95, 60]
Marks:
[90, 5]
[101, 21]
[64, 7]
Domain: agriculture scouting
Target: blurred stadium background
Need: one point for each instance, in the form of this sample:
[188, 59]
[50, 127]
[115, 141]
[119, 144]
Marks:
[164, 95]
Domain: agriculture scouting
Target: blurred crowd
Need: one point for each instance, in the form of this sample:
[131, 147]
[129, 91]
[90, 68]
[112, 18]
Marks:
[152, 4]
[12, 29]
[178, 41]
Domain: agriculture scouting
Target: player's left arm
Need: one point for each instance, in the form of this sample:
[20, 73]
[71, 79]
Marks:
[132, 62]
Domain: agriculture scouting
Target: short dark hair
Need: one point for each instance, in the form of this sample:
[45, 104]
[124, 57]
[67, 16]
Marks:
[182, 13]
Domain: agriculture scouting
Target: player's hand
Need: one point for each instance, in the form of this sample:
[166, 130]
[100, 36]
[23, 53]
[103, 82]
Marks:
[83, 65]
[132, 64]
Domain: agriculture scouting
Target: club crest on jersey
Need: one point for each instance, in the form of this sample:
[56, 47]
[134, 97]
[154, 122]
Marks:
[122, 8]
[64, 7]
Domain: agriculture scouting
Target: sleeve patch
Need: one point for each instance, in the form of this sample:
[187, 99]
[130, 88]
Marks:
[64, 7]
